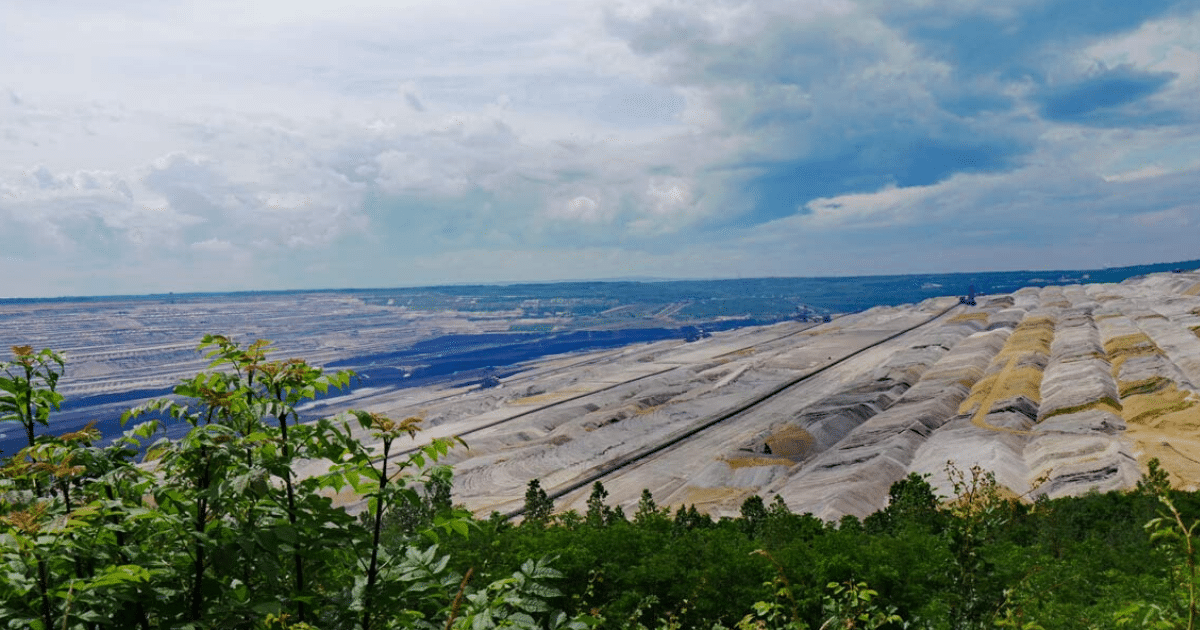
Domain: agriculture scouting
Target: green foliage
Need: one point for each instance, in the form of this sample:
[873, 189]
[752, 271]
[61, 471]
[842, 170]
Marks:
[852, 605]
[28, 389]
[538, 507]
[217, 529]
[1178, 538]
[754, 514]
[519, 601]
[849, 604]
[598, 513]
[213, 529]
[648, 513]
[1156, 481]
[978, 513]
[781, 611]
[911, 503]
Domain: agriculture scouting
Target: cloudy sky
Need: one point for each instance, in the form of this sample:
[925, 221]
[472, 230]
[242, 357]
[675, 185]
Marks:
[196, 146]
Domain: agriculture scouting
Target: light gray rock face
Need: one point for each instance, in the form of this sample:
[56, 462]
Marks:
[964, 444]
[1038, 387]
[1057, 391]
[1079, 372]
[1083, 451]
[1077, 442]
[879, 451]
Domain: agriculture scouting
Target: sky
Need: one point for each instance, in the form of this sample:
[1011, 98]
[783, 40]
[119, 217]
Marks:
[148, 147]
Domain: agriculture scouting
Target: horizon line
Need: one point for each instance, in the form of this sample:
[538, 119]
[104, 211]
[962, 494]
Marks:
[616, 280]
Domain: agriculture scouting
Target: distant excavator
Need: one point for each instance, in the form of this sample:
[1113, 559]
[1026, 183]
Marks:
[969, 298]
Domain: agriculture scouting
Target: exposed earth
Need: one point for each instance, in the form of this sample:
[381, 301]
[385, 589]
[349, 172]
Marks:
[1057, 390]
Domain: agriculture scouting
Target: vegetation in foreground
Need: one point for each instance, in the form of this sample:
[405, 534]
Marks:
[214, 530]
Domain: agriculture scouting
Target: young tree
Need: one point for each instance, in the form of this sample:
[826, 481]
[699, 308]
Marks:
[754, 514]
[598, 514]
[538, 506]
[29, 387]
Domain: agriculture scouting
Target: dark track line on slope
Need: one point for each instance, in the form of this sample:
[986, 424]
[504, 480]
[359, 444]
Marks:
[526, 377]
[1179, 453]
[542, 408]
[626, 461]
[772, 340]
[582, 395]
[518, 379]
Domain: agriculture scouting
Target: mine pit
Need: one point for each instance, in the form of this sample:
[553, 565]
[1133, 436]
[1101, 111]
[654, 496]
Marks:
[1057, 390]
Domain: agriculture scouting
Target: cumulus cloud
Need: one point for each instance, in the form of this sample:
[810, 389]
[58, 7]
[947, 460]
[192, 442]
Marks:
[826, 99]
[885, 208]
[717, 137]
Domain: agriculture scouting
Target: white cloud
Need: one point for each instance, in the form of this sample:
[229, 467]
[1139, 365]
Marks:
[885, 208]
[651, 135]
[1164, 45]
[1146, 172]
[580, 209]
[214, 245]
[404, 172]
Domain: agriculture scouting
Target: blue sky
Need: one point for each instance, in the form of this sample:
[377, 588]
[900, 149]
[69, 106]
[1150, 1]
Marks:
[196, 146]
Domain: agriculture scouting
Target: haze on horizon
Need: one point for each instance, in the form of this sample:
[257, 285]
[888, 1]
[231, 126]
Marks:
[209, 146]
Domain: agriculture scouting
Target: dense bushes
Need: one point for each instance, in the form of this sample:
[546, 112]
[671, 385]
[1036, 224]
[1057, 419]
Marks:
[216, 530]
[976, 562]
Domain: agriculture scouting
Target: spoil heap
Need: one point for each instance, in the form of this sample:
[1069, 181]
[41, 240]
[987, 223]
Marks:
[1057, 390]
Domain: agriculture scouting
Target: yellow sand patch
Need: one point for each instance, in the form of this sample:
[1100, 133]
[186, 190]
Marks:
[1033, 334]
[1136, 343]
[1159, 406]
[1174, 438]
[549, 397]
[1164, 422]
[1121, 349]
[967, 382]
[1196, 330]
[1178, 455]
[970, 317]
[751, 462]
[1194, 290]
[791, 442]
[1032, 337]
[969, 504]
[642, 411]
[1010, 382]
[1143, 386]
[706, 498]
[1104, 404]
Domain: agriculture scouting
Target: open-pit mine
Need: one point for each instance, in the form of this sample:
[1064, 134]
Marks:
[1058, 390]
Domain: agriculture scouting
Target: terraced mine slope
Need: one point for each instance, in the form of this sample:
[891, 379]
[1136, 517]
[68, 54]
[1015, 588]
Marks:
[1058, 390]
[123, 350]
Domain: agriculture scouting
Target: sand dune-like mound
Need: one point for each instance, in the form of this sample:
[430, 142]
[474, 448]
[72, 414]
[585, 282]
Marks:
[1058, 391]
